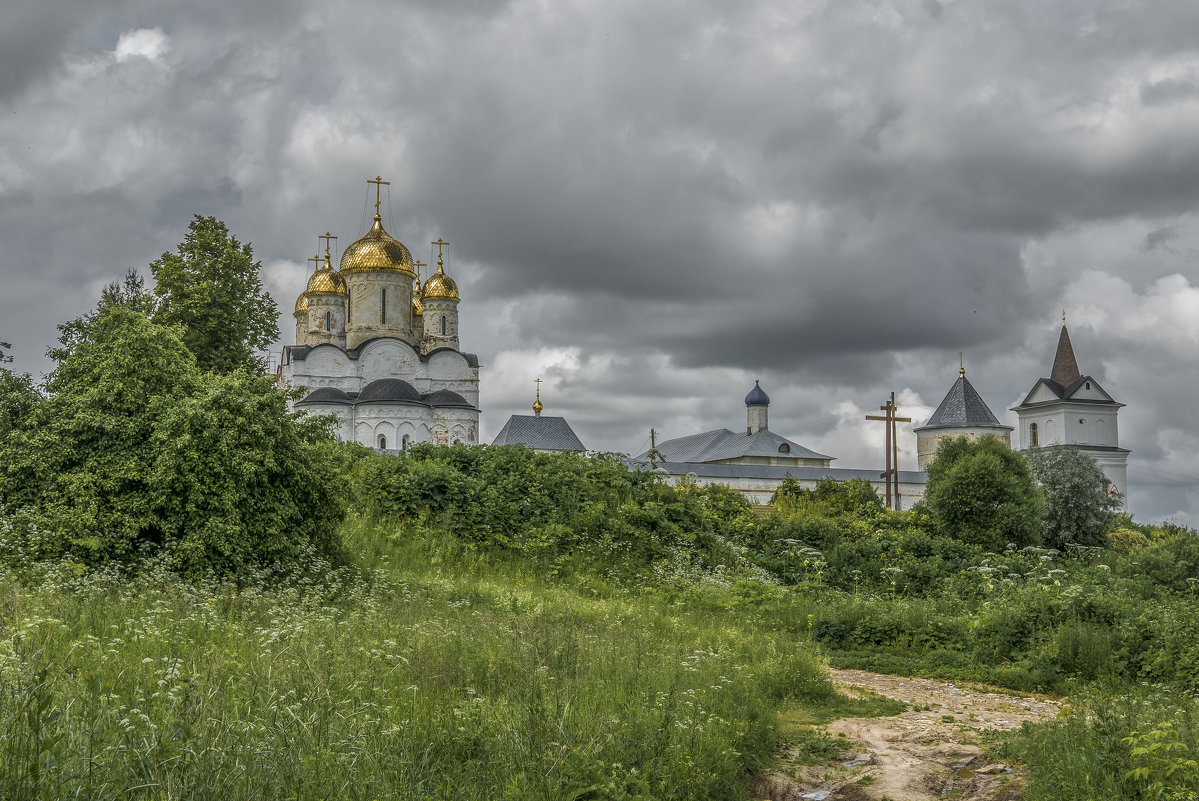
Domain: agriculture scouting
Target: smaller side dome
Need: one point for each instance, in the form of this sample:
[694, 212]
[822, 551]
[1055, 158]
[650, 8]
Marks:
[418, 305]
[389, 389]
[440, 286]
[326, 282]
[757, 397]
[301, 304]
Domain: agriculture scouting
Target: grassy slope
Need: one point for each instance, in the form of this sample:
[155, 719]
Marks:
[428, 673]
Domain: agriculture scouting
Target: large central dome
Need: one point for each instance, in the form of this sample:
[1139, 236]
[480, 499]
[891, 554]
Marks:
[377, 252]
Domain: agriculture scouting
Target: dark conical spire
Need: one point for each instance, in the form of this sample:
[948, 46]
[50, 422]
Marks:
[1065, 366]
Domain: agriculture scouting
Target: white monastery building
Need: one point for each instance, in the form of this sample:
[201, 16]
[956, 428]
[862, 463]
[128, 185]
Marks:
[379, 349]
[1070, 408]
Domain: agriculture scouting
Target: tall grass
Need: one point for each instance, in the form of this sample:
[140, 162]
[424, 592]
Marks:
[426, 672]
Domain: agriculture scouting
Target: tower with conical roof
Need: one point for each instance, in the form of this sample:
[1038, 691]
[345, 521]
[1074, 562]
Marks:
[757, 408]
[1071, 408]
[962, 413]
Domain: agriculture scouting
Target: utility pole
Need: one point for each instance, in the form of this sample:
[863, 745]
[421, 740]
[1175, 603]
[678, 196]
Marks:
[891, 448]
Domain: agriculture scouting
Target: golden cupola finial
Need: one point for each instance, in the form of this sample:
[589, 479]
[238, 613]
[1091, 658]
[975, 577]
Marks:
[961, 365]
[537, 407]
[326, 280]
[302, 300]
[377, 251]
[440, 286]
[418, 304]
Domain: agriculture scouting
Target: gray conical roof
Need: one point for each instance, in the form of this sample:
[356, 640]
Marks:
[963, 407]
[1065, 366]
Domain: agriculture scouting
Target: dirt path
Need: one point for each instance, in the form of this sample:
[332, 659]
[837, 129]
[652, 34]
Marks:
[927, 752]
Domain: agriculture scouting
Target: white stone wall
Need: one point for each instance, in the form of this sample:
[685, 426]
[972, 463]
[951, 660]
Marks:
[326, 320]
[755, 418]
[435, 310]
[367, 318]
[759, 490]
[1069, 423]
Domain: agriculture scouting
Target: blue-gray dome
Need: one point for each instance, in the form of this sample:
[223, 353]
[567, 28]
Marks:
[446, 397]
[326, 395]
[757, 397]
[393, 390]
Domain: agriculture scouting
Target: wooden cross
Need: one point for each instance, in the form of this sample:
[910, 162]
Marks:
[440, 244]
[891, 447]
[326, 236]
[379, 183]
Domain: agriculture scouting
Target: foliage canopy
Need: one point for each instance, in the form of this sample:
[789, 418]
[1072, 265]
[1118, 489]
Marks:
[211, 288]
[1078, 509]
[982, 492]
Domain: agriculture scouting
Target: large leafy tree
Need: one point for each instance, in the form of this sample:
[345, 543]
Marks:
[135, 447]
[1078, 508]
[211, 288]
[17, 395]
[982, 492]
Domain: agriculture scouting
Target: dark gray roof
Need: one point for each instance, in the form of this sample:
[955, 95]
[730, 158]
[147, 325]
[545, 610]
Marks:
[446, 397]
[757, 397]
[389, 390]
[539, 433]
[714, 446]
[963, 407]
[1065, 367]
[1066, 393]
[779, 472]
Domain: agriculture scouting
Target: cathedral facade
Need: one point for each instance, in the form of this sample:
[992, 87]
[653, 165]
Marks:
[378, 348]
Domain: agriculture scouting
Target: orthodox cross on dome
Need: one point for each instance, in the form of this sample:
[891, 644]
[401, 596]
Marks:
[316, 263]
[326, 236]
[379, 184]
[1063, 316]
[961, 365]
[537, 407]
[416, 265]
[440, 244]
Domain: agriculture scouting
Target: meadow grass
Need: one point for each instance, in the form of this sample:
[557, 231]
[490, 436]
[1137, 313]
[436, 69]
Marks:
[425, 671]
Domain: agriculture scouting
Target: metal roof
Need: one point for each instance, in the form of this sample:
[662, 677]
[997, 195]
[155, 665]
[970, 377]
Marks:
[963, 407]
[539, 433]
[779, 472]
[714, 446]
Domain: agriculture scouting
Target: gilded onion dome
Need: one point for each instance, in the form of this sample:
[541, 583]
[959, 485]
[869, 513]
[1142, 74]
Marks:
[418, 305]
[302, 304]
[326, 281]
[440, 286]
[377, 252]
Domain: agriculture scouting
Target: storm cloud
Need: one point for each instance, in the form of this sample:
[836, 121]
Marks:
[652, 205]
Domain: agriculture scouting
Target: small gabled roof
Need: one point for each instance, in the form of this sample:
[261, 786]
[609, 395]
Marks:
[963, 407]
[721, 444]
[539, 433]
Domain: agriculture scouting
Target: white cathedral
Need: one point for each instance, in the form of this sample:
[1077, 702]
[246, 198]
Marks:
[378, 349]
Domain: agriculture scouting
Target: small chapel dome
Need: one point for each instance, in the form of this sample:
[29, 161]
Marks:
[302, 304]
[326, 282]
[440, 286]
[418, 305]
[757, 397]
[377, 251]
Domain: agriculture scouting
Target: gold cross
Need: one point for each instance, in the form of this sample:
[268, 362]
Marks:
[538, 380]
[418, 264]
[326, 236]
[379, 183]
[440, 244]
[1063, 316]
[317, 261]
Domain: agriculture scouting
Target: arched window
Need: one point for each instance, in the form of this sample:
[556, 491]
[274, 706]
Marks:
[382, 442]
[443, 325]
[404, 443]
[328, 321]
[1032, 435]
[784, 448]
[383, 307]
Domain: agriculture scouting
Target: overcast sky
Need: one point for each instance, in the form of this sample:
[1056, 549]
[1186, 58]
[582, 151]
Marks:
[652, 204]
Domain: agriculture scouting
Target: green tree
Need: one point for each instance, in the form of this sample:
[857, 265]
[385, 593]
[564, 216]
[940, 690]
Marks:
[130, 293]
[211, 288]
[1077, 506]
[982, 492]
[134, 447]
[17, 395]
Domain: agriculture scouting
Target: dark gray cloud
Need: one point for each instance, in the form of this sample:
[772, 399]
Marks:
[654, 204]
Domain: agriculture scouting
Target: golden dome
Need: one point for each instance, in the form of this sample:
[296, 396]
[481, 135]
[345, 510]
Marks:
[377, 252]
[326, 282]
[418, 306]
[301, 304]
[440, 286]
